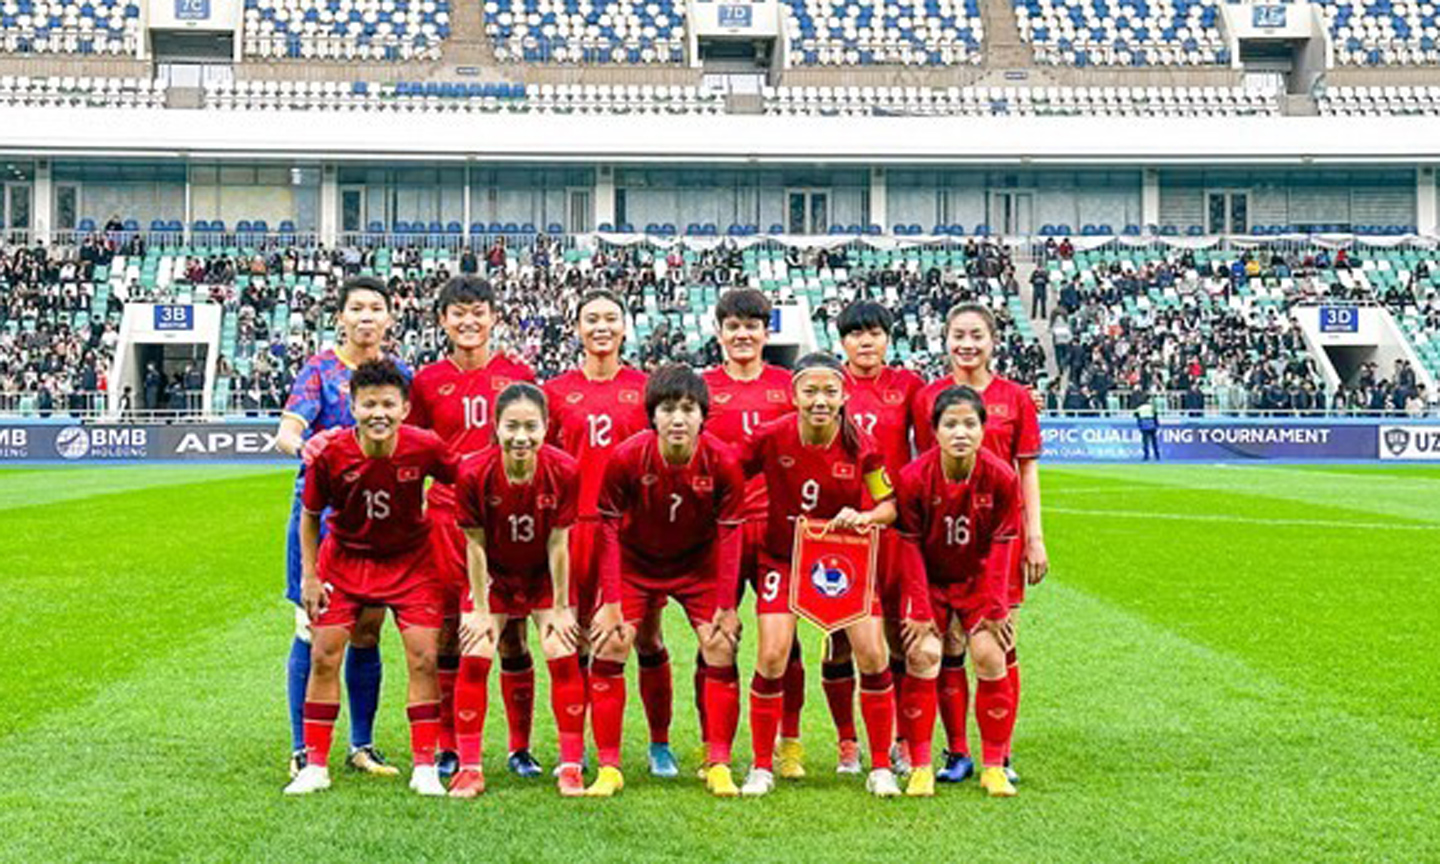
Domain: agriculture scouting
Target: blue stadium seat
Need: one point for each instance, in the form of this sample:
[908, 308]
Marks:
[554, 228]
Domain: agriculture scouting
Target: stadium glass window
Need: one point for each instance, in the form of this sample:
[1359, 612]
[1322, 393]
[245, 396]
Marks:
[67, 207]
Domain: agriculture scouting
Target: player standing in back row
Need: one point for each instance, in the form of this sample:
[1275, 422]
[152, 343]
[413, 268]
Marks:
[746, 392]
[593, 409]
[455, 397]
[318, 406]
[1012, 432]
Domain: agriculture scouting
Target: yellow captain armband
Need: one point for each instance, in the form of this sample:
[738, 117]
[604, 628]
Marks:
[878, 483]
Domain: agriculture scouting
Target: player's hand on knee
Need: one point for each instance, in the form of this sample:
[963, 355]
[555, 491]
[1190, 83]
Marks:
[1002, 629]
[912, 630]
[609, 623]
[314, 596]
[1037, 562]
[563, 630]
[476, 629]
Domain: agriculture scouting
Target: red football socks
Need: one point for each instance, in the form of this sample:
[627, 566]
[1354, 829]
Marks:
[517, 689]
[1012, 672]
[607, 707]
[657, 693]
[701, 676]
[766, 698]
[722, 711]
[794, 703]
[877, 707]
[917, 717]
[319, 729]
[838, 679]
[995, 715]
[471, 702]
[567, 700]
[954, 696]
[897, 675]
[447, 670]
[424, 730]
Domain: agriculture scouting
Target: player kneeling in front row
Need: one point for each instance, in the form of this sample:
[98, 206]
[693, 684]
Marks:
[377, 553]
[516, 504]
[959, 522]
[671, 509]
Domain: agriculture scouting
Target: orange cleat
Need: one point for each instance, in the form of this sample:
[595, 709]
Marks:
[572, 782]
[468, 783]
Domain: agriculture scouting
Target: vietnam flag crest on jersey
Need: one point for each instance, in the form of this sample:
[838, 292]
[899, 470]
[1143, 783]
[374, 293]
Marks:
[832, 576]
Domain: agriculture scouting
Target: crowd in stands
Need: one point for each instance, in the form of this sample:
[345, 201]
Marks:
[1247, 357]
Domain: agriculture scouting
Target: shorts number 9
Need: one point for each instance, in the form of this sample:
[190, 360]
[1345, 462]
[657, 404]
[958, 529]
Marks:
[770, 586]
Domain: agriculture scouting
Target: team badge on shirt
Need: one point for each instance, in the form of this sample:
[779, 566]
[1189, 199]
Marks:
[832, 576]
[984, 499]
[703, 484]
[893, 397]
[774, 395]
[999, 409]
[352, 476]
[631, 397]
[408, 475]
[843, 471]
[787, 462]
[650, 479]
[545, 502]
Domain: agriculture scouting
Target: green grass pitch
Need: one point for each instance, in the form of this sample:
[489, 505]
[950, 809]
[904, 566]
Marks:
[1227, 663]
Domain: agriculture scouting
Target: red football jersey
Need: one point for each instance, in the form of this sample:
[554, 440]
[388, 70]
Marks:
[881, 406]
[517, 518]
[671, 514]
[738, 408]
[817, 482]
[377, 505]
[459, 406]
[589, 419]
[1012, 426]
[965, 529]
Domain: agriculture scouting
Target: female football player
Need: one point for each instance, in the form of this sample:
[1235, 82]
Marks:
[959, 520]
[516, 503]
[1012, 432]
[817, 464]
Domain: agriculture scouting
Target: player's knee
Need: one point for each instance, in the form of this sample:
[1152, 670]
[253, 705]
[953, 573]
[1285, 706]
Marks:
[325, 659]
[422, 660]
[923, 658]
[616, 649]
[771, 660]
[720, 655]
[870, 656]
[988, 657]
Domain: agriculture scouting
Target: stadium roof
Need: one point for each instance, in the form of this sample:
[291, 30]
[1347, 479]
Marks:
[631, 138]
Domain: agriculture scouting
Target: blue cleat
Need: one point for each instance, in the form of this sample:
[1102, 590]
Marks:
[522, 764]
[662, 761]
[447, 762]
[958, 768]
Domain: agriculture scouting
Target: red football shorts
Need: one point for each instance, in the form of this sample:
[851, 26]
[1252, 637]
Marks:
[959, 599]
[514, 597]
[695, 592]
[773, 592]
[406, 583]
[584, 567]
[892, 584]
[451, 565]
[752, 539]
[1017, 570]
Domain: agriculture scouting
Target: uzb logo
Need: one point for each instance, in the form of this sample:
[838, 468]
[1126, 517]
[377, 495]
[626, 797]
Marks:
[1396, 440]
[831, 577]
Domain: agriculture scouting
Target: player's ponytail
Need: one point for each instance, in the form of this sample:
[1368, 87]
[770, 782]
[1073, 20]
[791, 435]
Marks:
[849, 432]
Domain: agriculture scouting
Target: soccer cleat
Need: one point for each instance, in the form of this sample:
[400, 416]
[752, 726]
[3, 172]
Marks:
[849, 758]
[759, 782]
[447, 762]
[298, 761]
[900, 758]
[922, 782]
[571, 782]
[881, 783]
[995, 783]
[1010, 774]
[959, 767]
[791, 754]
[719, 782]
[425, 779]
[368, 760]
[311, 778]
[584, 765]
[607, 783]
[662, 761]
[522, 764]
[468, 783]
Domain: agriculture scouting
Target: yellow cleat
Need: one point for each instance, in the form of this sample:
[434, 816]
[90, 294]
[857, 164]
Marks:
[719, 781]
[607, 783]
[791, 756]
[922, 782]
[995, 783]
